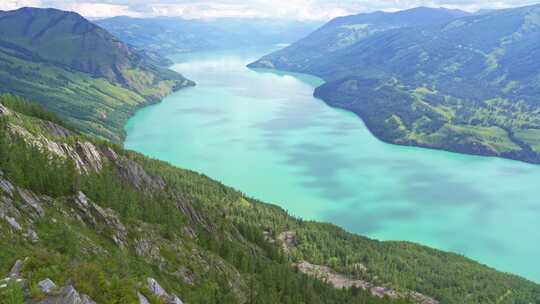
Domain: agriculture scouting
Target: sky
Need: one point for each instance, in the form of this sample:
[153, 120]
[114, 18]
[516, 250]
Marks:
[289, 9]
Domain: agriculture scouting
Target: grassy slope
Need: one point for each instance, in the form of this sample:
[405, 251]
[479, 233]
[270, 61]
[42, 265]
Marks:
[78, 70]
[469, 86]
[205, 239]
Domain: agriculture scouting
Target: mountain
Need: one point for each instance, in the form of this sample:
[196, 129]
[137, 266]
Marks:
[168, 36]
[470, 85]
[84, 220]
[343, 32]
[79, 70]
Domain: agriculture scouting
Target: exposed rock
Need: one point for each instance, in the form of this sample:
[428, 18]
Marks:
[57, 130]
[86, 156]
[89, 155]
[13, 223]
[341, 281]
[68, 295]
[32, 235]
[288, 240]
[134, 173]
[93, 214]
[142, 299]
[6, 186]
[156, 289]
[145, 248]
[4, 110]
[32, 200]
[16, 269]
[46, 285]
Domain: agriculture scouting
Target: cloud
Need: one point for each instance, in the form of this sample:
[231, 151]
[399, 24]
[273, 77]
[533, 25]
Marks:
[6, 5]
[290, 9]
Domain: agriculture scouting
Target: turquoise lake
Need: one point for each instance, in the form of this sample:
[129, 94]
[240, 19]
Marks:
[265, 134]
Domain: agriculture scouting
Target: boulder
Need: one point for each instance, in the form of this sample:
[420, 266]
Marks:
[68, 295]
[16, 269]
[156, 289]
[46, 285]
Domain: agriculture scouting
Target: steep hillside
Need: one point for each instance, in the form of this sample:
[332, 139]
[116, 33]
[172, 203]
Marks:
[168, 36]
[113, 226]
[78, 70]
[471, 85]
[343, 32]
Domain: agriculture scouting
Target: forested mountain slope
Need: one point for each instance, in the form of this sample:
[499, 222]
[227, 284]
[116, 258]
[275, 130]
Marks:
[78, 70]
[169, 36]
[108, 224]
[471, 85]
[343, 32]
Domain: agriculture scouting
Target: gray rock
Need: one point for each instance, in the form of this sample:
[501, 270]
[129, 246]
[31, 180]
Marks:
[32, 200]
[57, 130]
[16, 269]
[46, 285]
[68, 295]
[6, 186]
[11, 221]
[142, 299]
[4, 110]
[156, 289]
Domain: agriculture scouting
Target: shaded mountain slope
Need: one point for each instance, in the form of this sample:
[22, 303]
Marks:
[78, 70]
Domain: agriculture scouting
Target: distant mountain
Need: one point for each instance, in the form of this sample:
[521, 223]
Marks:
[343, 32]
[470, 85]
[176, 35]
[78, 69]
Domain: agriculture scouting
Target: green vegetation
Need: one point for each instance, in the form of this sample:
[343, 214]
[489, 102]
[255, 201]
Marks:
[469, 85]
[204, 241]
[78, 70]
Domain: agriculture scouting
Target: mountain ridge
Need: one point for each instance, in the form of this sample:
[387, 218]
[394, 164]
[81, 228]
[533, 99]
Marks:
[468, 85]
[60, 58]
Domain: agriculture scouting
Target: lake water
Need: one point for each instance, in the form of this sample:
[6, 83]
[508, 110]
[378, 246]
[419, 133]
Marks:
[265, 134]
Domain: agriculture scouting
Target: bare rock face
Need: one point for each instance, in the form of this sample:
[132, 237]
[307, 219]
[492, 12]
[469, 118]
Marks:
[16, 270]
[342, 281]
[135, 174]
[155, 288]
[57, 130]
[94, 214]
[158, 291]
[68, 295]
[145, 248]
[4, 110]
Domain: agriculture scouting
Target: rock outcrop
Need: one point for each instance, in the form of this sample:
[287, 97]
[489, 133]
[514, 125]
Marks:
[159, 292]
[67, 295]
[340, 281]
[93, 215]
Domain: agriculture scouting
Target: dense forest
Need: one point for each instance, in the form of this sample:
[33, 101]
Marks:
[203, 241]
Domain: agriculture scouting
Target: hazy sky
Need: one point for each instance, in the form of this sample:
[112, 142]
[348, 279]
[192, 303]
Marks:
[297, 9]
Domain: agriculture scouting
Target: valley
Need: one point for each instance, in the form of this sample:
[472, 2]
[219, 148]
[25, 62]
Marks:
[264, 133]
